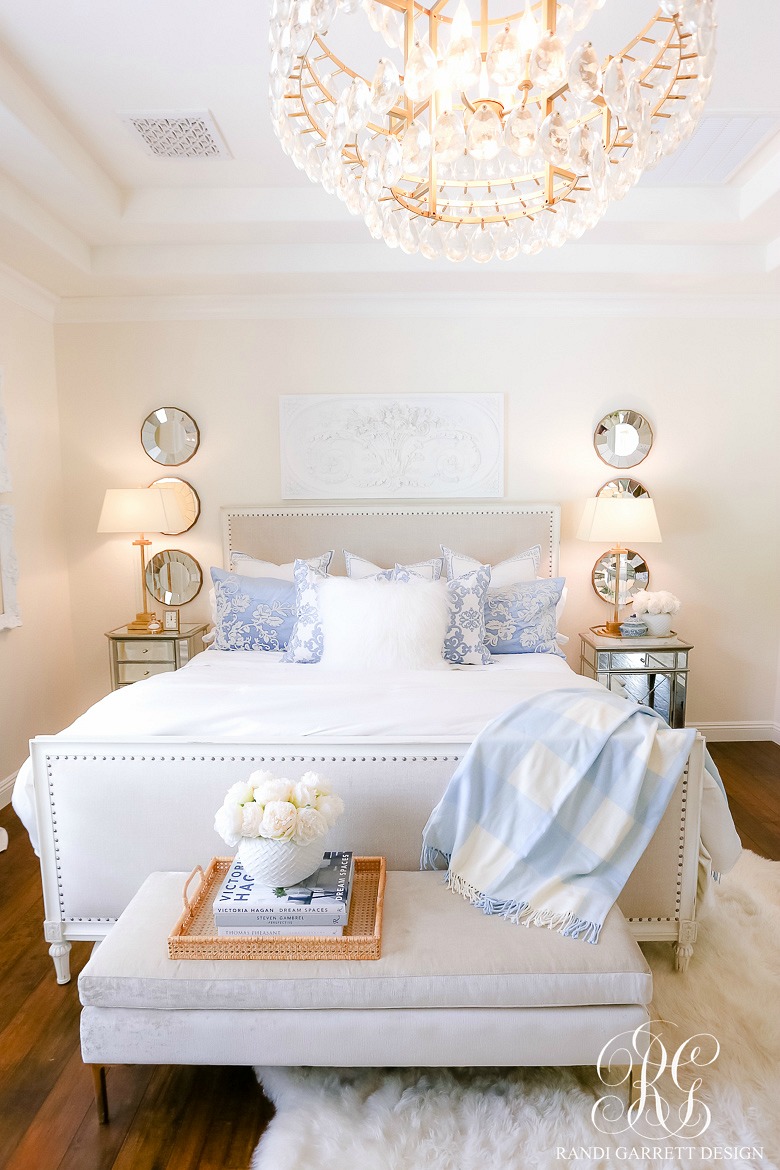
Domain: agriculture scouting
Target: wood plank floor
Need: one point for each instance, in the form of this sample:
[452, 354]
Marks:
[179, 1118]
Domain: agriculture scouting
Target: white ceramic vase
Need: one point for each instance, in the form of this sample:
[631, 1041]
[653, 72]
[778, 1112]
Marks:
[659, 625]
[279, 863]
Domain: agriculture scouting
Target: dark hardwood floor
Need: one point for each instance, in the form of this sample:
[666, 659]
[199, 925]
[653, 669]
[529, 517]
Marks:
[179, 1118]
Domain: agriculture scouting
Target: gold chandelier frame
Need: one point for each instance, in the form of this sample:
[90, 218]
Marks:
[504, 198]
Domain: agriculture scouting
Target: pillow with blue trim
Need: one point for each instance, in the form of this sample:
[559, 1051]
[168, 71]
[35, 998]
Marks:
[524, 566]
[306, 639]
[465, 643]
[252, 613]
[359, 568]
[520, 618]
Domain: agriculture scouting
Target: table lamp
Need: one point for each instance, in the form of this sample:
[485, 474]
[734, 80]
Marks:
[619, 520]
[140, 510]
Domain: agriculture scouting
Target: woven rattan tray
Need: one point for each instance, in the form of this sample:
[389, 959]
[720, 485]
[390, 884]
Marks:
[195, 936]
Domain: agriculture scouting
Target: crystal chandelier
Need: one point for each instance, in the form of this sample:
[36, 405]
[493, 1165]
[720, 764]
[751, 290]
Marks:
[475, 132]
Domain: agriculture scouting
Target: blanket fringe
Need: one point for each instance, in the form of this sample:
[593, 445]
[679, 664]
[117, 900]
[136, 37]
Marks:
[522, 913]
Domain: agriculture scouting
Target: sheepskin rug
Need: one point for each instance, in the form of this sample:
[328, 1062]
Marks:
[519, 1119]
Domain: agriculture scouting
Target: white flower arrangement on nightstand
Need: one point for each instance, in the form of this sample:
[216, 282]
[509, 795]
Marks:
[657, 609]
[278, 824]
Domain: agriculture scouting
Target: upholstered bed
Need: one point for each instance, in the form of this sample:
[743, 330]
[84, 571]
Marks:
[133, 785]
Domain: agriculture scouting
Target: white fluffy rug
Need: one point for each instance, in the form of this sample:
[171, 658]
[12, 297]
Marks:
[443, 1119]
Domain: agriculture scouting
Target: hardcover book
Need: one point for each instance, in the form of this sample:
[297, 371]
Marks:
[245, 931]
[321, 899]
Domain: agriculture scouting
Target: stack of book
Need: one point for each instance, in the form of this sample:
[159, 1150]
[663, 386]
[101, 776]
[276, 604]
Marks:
[318, 906]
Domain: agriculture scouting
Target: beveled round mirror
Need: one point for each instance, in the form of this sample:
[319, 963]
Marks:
[623, 438]
[620, 489]
[173, 577]
[187, 499]
[637, 576]
[169, 436]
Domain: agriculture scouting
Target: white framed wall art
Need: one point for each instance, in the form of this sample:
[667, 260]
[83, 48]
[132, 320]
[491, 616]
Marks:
[382, 446]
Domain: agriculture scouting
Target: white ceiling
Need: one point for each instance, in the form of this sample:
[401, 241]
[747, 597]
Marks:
[88, 213]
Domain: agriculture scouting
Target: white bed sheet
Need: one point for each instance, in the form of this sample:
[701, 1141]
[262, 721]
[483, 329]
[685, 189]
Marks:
[258, 698]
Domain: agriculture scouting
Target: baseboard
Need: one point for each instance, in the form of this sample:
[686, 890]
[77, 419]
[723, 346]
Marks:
[744, 730]
[6, 788]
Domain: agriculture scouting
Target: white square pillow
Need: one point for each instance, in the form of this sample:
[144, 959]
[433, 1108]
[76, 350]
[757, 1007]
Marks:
[513, 571]
[358, 568]
[383, 625]
[249, 566]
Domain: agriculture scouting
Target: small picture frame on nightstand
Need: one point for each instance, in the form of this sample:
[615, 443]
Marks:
[171, 621]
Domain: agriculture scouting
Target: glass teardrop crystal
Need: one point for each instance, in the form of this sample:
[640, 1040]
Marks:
[392, 162]
[521, 130]
[449, 137]
[485, 134]
[505, 65]
[554, 139]
[582, 145]
[616, 86]
[506, 241]
[432, 241]
[548, 63]
[421, 70]
[482, 247]
[585, 73]
[416, 148]
[456, 244]
[385, 87]
[358, 103]
[463, 62]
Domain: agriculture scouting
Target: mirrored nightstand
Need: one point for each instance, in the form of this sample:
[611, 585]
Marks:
[134, 657]
[650, 671]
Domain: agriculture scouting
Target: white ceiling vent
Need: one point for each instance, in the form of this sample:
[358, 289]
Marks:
[178, 133]
[719, 147]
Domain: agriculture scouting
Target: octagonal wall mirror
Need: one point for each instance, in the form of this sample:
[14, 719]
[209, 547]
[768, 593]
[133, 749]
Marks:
[170, 436]
[637, 576]
[187, 499]
[621, 488]
[173, 577]
[623, 438]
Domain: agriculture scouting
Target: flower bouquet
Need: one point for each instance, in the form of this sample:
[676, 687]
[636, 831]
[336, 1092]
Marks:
[657, 609]
[278, 825]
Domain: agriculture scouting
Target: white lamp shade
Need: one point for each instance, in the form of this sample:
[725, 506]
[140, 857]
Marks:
[154, 509]
[613, 520]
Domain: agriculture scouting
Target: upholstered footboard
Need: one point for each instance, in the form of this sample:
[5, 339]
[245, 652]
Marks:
[111, 812]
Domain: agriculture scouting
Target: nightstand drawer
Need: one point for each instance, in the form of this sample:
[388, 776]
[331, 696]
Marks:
[130, 672]
[146, 651]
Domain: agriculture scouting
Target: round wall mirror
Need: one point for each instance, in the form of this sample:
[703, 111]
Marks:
[637, 576]
[173, 577]
[187, 499]
[623, 438]
[170, 436]
[621, 488]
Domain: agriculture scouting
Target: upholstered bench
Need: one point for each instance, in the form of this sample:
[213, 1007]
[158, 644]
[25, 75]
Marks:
[453, 987]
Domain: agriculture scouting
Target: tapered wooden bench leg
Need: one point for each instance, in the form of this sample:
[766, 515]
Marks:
[101, 1095]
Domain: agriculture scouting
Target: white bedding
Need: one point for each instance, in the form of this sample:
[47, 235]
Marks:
[257, 697]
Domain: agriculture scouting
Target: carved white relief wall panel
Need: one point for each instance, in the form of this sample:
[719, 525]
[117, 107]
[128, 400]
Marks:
[378, 446]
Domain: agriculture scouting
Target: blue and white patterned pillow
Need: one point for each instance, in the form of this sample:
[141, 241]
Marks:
[252, 613]
[520, 618]
[305, 643]
[465, 640]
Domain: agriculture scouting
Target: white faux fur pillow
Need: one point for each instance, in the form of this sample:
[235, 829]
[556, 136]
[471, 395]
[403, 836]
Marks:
[383, 625]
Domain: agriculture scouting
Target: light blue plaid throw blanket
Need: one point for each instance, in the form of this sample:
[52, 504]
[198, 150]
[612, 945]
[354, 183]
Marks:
[552, 807]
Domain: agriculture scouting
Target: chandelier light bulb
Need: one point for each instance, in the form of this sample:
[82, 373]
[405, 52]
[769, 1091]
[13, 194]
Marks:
[445, 153]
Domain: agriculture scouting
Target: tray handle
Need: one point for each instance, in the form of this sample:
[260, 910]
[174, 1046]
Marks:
[187, 903]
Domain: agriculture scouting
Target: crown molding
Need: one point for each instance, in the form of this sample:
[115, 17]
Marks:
[283, 306]
[27, 294]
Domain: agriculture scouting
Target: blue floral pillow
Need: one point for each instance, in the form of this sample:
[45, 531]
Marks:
[252, 613]
[465, 641]
[305, 643]
[520, 619]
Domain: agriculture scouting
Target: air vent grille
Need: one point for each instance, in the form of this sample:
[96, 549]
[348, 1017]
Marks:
[719, 148]
[179, 134]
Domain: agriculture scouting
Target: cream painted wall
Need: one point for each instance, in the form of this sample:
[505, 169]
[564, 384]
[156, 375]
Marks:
[708, 386]
[38, 691]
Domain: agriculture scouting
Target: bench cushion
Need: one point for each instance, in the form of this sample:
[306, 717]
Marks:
[437, 951]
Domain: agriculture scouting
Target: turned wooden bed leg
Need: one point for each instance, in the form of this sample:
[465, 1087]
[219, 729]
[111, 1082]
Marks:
[683, 949]
[60, 953]
[101, 1095]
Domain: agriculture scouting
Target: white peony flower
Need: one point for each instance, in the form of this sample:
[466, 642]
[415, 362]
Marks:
[310, 825]
[279, 820]
[271, 788]
[259, 776]
[315, 781]
[238, 793]
[227, 823]
[304, 794]
[331, 806]
[251, 819]
[660, 601]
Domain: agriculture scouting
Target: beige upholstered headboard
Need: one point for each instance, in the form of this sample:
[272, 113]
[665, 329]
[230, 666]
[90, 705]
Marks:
[386, 533]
